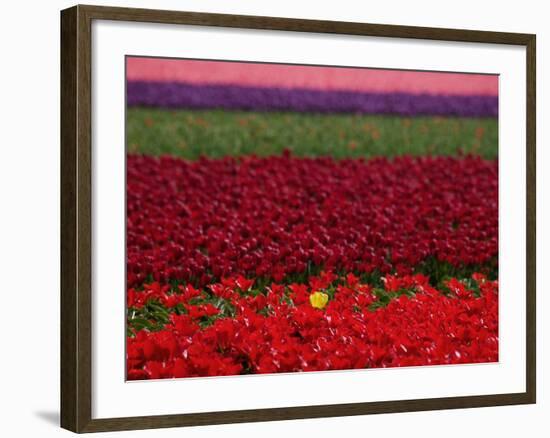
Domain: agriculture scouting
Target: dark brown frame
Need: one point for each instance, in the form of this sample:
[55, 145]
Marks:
[76, 238]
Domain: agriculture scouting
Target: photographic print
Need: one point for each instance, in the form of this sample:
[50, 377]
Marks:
[291, 218]
[343, 225]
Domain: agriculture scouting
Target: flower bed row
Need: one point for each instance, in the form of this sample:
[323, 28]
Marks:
[284, 219]
[308, 76]
[327, 324]
[235, 97]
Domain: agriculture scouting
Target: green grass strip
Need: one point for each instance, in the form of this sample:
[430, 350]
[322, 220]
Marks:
[217, 133]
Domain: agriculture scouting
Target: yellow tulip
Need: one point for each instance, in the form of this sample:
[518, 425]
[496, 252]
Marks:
[318, 300]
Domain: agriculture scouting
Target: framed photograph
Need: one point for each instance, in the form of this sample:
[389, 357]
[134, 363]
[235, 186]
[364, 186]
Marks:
[269, 218]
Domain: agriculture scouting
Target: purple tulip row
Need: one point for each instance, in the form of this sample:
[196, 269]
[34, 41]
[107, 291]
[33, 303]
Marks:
[233, 97]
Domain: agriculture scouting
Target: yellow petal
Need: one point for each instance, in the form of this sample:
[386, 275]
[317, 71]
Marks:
[318, 300]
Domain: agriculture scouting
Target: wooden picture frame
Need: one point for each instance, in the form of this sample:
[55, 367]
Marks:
[76, 217]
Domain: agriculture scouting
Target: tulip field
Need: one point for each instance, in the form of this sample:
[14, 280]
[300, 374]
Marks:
[321, 219]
